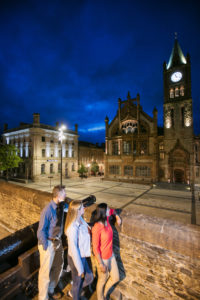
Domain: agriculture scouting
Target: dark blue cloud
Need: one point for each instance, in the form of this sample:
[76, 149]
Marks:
[71, 60]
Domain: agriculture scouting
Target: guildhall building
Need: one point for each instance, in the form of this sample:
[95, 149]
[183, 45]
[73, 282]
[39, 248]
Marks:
[137, 150]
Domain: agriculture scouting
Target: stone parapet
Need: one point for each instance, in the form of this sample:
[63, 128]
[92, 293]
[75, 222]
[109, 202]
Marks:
[173, 236]
[157, 259]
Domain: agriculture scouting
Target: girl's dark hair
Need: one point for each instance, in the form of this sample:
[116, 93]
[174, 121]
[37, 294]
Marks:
[100, 214]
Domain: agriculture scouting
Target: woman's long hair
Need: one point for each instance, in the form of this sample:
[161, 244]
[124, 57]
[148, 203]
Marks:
[72, 214]
[100, 214]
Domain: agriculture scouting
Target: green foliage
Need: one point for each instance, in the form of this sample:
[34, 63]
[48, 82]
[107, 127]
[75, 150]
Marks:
[82, 170]
[9, 157]
[95, 167]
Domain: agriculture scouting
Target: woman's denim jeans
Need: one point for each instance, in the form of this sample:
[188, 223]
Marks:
[78, 282]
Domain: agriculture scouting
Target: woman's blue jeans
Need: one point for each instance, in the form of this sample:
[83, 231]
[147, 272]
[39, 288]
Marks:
[78, 281]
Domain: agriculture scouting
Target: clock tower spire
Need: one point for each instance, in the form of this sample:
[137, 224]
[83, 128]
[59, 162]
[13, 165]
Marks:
[177, 75]
[178, 117]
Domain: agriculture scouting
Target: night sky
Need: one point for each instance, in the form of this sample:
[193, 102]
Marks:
[71, 60]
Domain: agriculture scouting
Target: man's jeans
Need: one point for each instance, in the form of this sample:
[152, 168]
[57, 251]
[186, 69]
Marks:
[108, 279]
[51, 264]
[78, 282]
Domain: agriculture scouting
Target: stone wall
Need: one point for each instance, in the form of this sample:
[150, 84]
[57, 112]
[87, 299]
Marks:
[157, 258]
[20, 206]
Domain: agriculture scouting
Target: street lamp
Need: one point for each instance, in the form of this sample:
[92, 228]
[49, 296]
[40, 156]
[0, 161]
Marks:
[61, 137]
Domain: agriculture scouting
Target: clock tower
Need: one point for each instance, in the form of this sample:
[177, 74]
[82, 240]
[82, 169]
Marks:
[178, 117]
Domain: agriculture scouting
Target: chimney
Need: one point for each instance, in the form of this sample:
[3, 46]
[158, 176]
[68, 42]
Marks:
[76, 127]
[57, 124]
[36, 119]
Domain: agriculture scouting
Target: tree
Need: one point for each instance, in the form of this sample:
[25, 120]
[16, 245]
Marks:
[95, 167]
[9, 158]
[82, 170]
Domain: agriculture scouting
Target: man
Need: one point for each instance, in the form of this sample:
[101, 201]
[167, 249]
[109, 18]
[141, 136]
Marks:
[50, 245]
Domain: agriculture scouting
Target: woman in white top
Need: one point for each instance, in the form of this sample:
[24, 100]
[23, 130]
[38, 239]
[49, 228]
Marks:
[76, 230]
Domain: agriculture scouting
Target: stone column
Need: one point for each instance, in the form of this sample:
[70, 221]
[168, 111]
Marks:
[26, 149]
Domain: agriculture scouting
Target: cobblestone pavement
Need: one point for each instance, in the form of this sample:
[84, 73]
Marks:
[168, 201]
[171, 201]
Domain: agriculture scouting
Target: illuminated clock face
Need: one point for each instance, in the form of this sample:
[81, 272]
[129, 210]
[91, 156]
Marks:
[176, 76]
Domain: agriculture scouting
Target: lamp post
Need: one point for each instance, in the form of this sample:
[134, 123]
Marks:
[61, 137]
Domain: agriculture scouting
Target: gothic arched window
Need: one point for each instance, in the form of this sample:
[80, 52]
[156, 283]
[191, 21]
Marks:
[171, 93]
[182, 90]
[176, 92]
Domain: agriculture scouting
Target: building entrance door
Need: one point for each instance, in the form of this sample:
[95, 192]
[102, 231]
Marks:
[179, 176]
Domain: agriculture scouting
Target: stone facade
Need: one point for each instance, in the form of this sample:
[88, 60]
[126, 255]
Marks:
[88, 152]
[131, 143]
[40, 148]
[137, 150]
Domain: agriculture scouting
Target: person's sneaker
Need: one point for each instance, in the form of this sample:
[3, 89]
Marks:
[55, 296]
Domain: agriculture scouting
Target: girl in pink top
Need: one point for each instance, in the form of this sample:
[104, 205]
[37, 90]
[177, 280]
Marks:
[102, 242]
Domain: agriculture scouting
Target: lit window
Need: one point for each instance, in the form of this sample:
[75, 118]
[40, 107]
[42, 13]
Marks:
[162, 155]
[134, 147]
[128, 170]
[143, 171]
[176, 92]
[171, 93]
[161, 146]
[182, 90]
[127, 147]
[115, 148]
[43, 152]
[51, 168]
[115, 170]
[143, 147]
[43, 169]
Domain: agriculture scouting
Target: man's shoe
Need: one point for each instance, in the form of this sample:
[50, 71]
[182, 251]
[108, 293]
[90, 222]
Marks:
[55, 296]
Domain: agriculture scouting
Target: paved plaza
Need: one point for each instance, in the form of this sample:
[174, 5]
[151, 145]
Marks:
[175, 202]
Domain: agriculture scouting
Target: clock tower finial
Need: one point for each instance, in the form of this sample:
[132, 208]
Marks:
[175, 35]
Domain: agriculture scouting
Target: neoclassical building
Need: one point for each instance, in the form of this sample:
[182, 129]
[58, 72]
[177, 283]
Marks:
[40, 148]
[137, 150]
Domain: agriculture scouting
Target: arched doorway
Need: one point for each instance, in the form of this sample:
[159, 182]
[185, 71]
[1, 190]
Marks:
[179, 164]
[179, 176]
